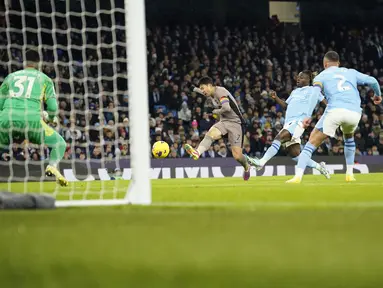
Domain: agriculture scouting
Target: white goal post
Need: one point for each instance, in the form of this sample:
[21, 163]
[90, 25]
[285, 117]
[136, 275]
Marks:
[140, 186]
[100, 24]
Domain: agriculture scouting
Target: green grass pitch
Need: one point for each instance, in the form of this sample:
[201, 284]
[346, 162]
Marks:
[201, 233]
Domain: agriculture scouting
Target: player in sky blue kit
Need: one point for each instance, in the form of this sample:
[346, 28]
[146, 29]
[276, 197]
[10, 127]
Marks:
[343, 110]
[300, 105]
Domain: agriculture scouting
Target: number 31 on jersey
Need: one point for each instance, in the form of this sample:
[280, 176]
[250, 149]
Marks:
[20, 84]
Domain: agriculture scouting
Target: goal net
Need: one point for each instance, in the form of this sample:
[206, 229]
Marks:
[86, 47]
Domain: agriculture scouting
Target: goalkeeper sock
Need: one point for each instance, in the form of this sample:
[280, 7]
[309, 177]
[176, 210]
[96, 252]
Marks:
[58, 145]
[205, 144]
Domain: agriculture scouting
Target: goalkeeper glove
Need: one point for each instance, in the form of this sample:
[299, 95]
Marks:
[53, 122]
[45, 116]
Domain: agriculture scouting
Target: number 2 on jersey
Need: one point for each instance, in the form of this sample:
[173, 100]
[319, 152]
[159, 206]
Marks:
[341, 81]
[20, 85]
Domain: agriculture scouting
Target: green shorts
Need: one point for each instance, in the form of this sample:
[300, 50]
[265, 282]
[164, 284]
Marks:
[32, 131]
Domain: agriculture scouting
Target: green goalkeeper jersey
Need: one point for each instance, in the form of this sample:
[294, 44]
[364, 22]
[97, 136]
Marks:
[22, 94]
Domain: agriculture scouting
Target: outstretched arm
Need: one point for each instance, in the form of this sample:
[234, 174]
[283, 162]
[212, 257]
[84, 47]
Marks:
[280, 101]
[363, 79]
[196, 89]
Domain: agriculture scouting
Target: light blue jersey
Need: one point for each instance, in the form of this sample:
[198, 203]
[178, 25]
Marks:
[339, 86]
[302, 102]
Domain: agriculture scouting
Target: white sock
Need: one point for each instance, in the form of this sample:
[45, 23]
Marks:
[299, 172]
[350, 170]
[271, 152]
[205, 144]
[262, 162]
[311, 164]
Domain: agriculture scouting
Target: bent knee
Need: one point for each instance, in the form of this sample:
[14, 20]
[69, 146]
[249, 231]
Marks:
[214, 133]
[294, 150]
[348, 136]
[57, 140]
[62, 141]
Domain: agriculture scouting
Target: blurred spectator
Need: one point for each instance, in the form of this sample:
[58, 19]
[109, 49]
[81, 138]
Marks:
[185, 113]
[248, 61]
[222, 151]
[205, 123]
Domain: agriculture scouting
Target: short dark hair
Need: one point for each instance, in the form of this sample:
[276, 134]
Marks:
[309, 74]
[32, 56]
[332, 56]
[205, 81]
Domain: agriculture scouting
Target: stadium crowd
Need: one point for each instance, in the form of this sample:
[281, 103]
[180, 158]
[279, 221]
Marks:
[249, 62]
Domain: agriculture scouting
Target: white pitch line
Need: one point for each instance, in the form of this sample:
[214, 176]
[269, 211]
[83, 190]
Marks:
[270, 204]
[263, 184]
[250, 205]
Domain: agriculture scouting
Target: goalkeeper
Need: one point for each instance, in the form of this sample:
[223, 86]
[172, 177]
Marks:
[21, 97]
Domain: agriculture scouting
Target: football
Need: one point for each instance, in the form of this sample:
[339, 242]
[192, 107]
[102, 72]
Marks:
[160, 149]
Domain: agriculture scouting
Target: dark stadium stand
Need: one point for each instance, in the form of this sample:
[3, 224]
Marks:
[247, 61]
